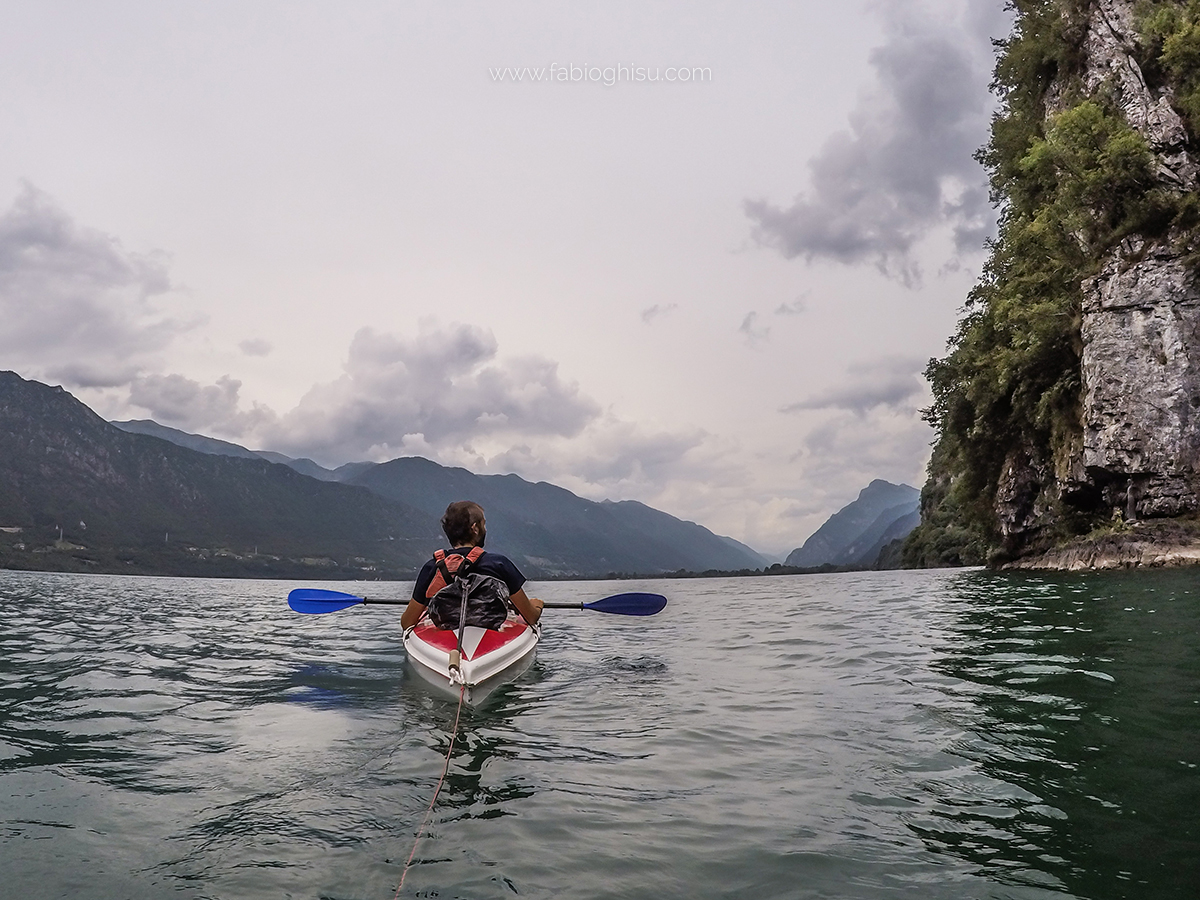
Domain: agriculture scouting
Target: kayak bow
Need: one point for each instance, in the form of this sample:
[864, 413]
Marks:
[490, 656]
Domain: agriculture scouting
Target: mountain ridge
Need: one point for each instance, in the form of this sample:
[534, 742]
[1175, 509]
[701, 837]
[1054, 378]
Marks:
[855, 534]
[545, 528]
[221, 508]
[88, 496]
[143, 493]
[556, 531]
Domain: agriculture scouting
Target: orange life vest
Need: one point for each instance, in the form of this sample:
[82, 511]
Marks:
[450, 564]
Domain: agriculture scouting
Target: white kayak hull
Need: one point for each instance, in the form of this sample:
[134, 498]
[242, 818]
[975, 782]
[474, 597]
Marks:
[490, 657]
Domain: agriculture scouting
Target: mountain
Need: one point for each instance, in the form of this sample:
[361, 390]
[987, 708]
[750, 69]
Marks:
[86, 495]
[304, 465]
[855, 535]
[197, 442]
[216, 447]
[548, 530]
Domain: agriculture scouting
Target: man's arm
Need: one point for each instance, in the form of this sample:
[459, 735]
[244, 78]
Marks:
[412, 614]
[529, 607]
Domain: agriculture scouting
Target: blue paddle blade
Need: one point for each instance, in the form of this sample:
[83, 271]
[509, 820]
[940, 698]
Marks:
[315, 600]
[632, 604]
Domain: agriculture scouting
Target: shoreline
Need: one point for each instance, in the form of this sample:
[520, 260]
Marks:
[1153, 544]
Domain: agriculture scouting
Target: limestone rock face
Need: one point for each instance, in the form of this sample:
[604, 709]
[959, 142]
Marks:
[1021, 498]
[1141, 385]
[1141, 315]
[1140, 448]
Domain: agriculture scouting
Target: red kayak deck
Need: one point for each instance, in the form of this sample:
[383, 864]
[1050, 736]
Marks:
[477, 642]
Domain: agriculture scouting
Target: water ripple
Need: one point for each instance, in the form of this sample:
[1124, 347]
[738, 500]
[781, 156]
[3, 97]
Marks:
[873, 735]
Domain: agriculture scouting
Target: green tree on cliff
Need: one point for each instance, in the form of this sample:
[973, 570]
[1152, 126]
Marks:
[1071, 180]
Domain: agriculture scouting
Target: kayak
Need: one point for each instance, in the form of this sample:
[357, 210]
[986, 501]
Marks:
[490, 656]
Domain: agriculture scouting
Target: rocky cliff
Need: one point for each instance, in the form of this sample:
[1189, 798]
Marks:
[1070, 402]
[1141, 314]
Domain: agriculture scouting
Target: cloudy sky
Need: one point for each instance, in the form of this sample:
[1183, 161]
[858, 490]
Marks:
[696, 255]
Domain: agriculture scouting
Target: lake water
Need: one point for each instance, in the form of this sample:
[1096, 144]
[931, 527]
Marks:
[874, 735]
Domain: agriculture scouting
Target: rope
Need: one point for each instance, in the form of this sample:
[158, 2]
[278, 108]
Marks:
[446, 768]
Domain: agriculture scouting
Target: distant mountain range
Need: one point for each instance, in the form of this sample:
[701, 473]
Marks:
[81, 494]
[548, 529]
[216, 447]
[78, 494]
[856, 535]
[553, 531]
[545, 529]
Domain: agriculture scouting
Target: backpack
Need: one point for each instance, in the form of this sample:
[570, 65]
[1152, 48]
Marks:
[487, 596]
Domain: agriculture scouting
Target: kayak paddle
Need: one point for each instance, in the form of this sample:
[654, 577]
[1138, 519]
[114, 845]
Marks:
[316, 600]
[620, 604]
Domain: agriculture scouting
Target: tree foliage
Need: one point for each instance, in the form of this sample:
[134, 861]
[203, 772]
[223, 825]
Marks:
[1072, 181]
[1170, 33]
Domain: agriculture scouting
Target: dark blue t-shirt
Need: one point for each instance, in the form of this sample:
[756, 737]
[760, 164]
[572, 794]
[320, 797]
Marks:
[488, 564]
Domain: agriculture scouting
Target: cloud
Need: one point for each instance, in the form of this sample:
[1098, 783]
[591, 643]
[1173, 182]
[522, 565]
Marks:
[624, 459]
[795, 308]
[443, 389]
[657, 310]
[76, 307]
[906, 166]
[256, 347]
[753, 332]
[583, 467]
[616, 459]
[186, 404]
[891, 383]
[844, 454]
[448, 395]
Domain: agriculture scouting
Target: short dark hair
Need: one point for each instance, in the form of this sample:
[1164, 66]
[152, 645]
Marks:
[460, 516]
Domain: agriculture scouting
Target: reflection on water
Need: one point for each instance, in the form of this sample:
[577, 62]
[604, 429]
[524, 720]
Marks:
[1083, 698]
[466, 790]
[340, 686]
[868, 735]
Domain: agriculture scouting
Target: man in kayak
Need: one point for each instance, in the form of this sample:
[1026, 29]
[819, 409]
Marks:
[466, 530]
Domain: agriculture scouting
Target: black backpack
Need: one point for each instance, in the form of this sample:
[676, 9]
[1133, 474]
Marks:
[486, 596]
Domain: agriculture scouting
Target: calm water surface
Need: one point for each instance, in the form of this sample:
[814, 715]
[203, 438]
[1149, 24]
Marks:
[911, 734]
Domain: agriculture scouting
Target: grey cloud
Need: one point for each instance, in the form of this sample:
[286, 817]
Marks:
[754, 333]
[625, 454]
[616, 453]
[986, 22]
[442, 389]
[797, 306]
[76, 306]
[891, 383]
[657, 310]
[849, 451]
[906, 164]
[183, 403]
[256, 347]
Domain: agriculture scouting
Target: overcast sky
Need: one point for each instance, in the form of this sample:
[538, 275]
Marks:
[704, 268]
